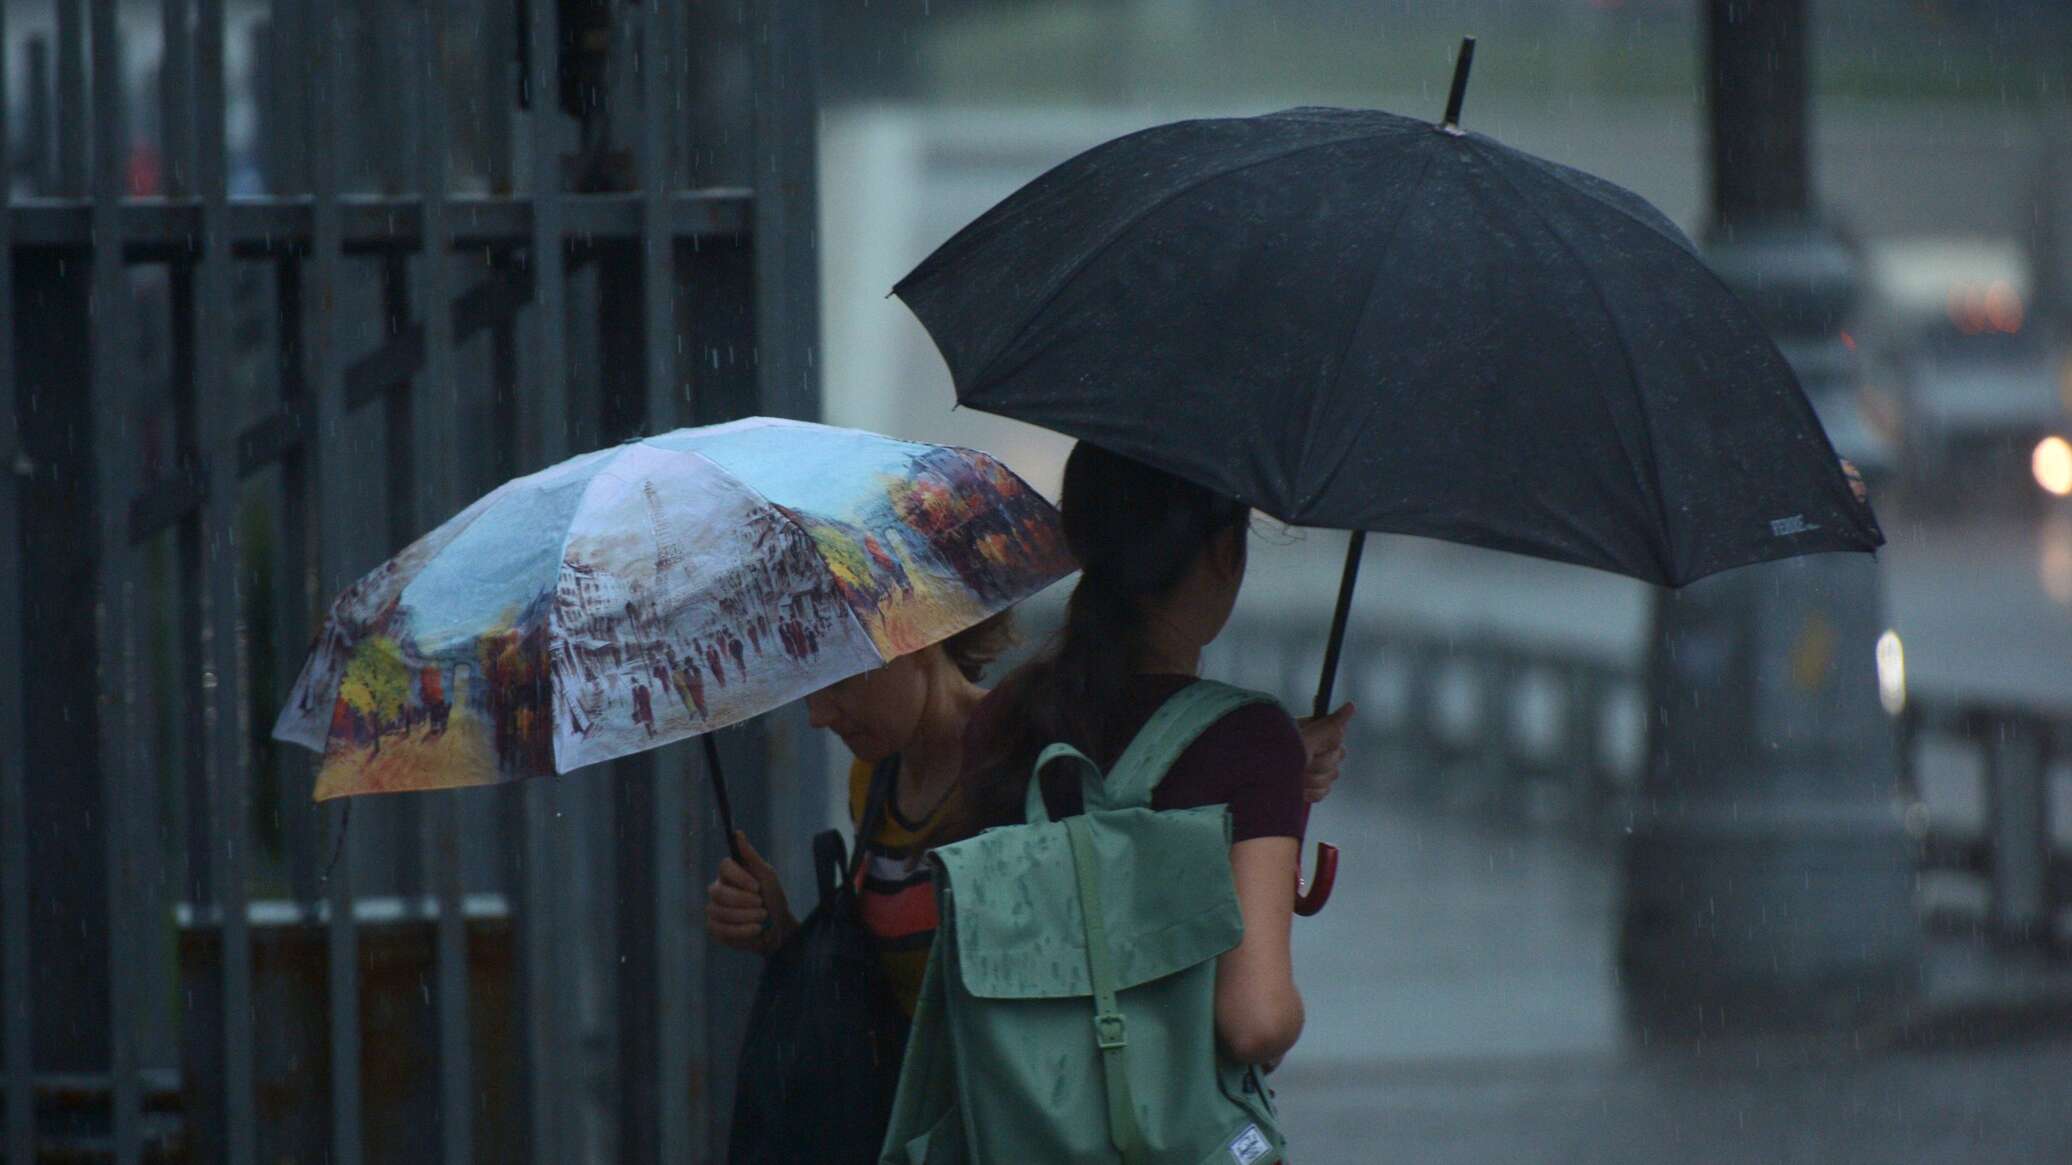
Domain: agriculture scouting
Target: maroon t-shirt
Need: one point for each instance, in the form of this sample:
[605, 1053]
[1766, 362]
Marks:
[1251, 760]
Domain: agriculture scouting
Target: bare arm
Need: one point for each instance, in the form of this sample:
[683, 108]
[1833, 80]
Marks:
[1258, 1010]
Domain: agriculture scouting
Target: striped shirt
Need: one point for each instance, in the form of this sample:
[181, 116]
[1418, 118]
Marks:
[896, 888]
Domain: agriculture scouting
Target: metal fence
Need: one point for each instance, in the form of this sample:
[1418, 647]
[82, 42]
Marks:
[290, 281]
[1550, 737]
[2008, 845]
[1493, 726]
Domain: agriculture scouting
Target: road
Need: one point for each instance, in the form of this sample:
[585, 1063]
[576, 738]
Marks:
[1463, 1008]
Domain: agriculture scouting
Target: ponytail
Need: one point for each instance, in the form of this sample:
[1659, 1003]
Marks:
[1135, 531]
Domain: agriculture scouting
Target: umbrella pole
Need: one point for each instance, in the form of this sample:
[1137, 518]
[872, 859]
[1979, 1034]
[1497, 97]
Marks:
[1338, 618]
[1310, 900]
[1462, 62]
[719, 793]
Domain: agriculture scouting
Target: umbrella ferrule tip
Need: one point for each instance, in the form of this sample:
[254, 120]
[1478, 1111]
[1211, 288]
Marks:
[1452, 130]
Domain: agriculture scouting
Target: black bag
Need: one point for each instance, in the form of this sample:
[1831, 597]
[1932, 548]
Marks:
[820, 1061]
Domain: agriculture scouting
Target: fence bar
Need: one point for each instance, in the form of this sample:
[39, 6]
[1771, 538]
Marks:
[114, 445]
[175, 108]
[36, 135]
[293, 773]
[16, 1028]
[159, 231]
[71, 102]
[497, 98]
[546, 430]
[680, 1035]
[787, 265]
[217, 431]
[327, 395]
[2018, 767]
[437, 412]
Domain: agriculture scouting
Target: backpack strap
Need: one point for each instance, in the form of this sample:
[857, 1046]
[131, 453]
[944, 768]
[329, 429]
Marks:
[1111, 1031]
[1034, 811]
[1178, 723]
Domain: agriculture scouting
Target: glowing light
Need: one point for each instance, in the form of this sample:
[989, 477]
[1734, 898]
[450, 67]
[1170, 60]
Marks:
[1985, 307]
[2003, 308]
[2052, 465]
[2054, 559]
[1848, 341]
[1892, 673]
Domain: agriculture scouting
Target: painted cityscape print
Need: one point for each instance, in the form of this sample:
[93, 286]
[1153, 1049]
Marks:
[646, 593]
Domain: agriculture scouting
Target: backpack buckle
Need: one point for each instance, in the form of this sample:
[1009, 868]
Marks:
[1110, 1031]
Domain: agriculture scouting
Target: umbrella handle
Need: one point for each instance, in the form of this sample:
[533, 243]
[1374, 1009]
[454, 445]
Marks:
[1311, 900]
[719, 793]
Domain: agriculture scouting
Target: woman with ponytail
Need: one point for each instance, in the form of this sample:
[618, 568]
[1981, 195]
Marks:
[1161, 562]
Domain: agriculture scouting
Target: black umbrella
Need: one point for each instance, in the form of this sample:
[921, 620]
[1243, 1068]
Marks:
[1358, 320]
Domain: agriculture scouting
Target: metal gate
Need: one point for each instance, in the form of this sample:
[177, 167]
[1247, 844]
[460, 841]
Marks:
[291, 280]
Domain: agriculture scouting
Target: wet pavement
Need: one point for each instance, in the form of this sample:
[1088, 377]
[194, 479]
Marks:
[2001, 1103]
[1462, 1008]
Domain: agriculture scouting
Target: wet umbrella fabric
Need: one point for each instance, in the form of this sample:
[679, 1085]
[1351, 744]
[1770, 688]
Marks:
[656, 590]
[1358, 320]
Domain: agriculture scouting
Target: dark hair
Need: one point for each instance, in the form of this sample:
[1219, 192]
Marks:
[1135, 531]
[975, 648]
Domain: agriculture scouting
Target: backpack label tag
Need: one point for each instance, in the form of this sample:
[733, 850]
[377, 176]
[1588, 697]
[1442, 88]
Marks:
[1249, 1146]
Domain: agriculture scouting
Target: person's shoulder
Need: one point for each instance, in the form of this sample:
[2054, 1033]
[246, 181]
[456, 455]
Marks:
[1260, 727]
[1250, 759]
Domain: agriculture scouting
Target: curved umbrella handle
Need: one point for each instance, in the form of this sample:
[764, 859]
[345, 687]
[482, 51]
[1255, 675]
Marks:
[1308, 902]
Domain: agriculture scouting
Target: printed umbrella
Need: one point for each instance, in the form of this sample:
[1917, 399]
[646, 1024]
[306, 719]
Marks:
[641, 594]
[1353, 319]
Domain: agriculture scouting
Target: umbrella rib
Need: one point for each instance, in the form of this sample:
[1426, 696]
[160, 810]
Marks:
[554, 608]
[1654, 467]
[1309, 431]
[784, 512]
[1557, 172]
[1123, 228]
[482, 507]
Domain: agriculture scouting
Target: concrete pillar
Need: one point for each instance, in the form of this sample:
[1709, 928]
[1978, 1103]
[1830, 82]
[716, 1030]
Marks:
[1768, 879]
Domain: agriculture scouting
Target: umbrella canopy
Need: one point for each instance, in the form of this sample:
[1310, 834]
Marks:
[641, 594]
[1358, 320]
[1352, 319]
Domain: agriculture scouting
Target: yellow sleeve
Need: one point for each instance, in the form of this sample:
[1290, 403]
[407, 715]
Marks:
[859, 789]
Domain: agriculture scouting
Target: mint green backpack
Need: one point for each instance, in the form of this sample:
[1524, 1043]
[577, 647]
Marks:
[1068, 1009]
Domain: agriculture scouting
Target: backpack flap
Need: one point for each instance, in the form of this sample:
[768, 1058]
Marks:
[1165, 886]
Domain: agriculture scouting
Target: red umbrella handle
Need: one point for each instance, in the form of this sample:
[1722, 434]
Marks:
[1308, 902]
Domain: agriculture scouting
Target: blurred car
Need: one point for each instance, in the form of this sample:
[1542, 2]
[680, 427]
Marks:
[1980, 405]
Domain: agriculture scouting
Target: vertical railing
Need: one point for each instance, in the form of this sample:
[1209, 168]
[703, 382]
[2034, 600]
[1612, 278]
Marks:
[2013, 852]
[436, 410]
[786, 104]
[175, 108]
[217, 432]
[545, 992]
[71, 108]
[114, 445]
[679, 1035]
[2018, 826]
[326, 444]
[16, 1027]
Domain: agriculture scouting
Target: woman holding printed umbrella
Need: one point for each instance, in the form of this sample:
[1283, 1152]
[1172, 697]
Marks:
[670, 586]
